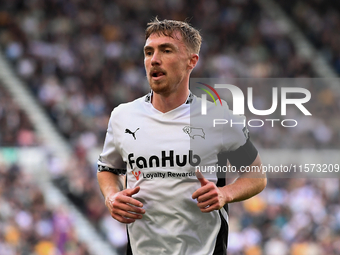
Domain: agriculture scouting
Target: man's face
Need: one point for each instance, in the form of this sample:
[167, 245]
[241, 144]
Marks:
[167, 62]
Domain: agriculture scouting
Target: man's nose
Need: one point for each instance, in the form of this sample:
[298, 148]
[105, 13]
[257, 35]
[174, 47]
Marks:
[156, 58]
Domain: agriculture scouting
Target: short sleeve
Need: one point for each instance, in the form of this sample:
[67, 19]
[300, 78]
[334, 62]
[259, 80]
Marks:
[235, 133]
[239, 149]
[110, 158]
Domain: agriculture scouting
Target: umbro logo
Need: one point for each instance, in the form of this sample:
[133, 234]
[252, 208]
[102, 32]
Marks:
[128, 131]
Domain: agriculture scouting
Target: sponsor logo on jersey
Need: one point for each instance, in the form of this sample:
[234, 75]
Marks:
[128, 131]
[136, 174]
[192, 132]
[168, 174]
[167, 159]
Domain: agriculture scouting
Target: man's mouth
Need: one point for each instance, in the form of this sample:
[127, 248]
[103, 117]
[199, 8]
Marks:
[156, 74]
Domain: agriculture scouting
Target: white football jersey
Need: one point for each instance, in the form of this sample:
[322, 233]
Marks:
[160, 152]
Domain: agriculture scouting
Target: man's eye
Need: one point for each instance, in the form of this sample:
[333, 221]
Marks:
[148, 53]
[167, 51]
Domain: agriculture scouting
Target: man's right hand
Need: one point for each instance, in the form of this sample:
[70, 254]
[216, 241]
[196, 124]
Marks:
[123, 207]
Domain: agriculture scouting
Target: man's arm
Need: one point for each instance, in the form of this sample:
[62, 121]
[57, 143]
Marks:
[119, 201]
[210, 197]
[109, 182]
[246, 185]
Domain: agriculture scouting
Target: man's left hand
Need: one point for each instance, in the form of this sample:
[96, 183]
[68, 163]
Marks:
[209, 197]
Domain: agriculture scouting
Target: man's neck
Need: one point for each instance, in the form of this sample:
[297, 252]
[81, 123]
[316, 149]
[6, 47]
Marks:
[167, 103]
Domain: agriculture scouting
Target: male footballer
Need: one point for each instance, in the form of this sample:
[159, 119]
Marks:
[152, 148]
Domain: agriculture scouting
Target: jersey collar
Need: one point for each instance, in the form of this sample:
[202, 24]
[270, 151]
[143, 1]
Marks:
[188, 101]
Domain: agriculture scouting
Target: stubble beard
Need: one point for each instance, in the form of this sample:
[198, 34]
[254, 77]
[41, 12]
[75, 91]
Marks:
[161, 88]
[165, 87]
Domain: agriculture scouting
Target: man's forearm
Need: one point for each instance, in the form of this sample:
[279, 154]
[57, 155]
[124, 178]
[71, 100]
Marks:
[120, 203]
[245, 186]
[110, 183]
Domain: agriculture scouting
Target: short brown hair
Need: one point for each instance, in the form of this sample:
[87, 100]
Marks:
[191, 36]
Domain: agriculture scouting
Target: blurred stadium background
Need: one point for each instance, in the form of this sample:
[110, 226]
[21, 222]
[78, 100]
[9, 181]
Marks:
[65, 64]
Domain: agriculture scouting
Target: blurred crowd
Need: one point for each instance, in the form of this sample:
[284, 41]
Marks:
[15, 128]
[320, 21]
[290, 217]
[78, 181]
[27, 224]
[81, 58]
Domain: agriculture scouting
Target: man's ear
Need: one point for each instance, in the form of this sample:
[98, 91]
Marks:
[193, 61]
